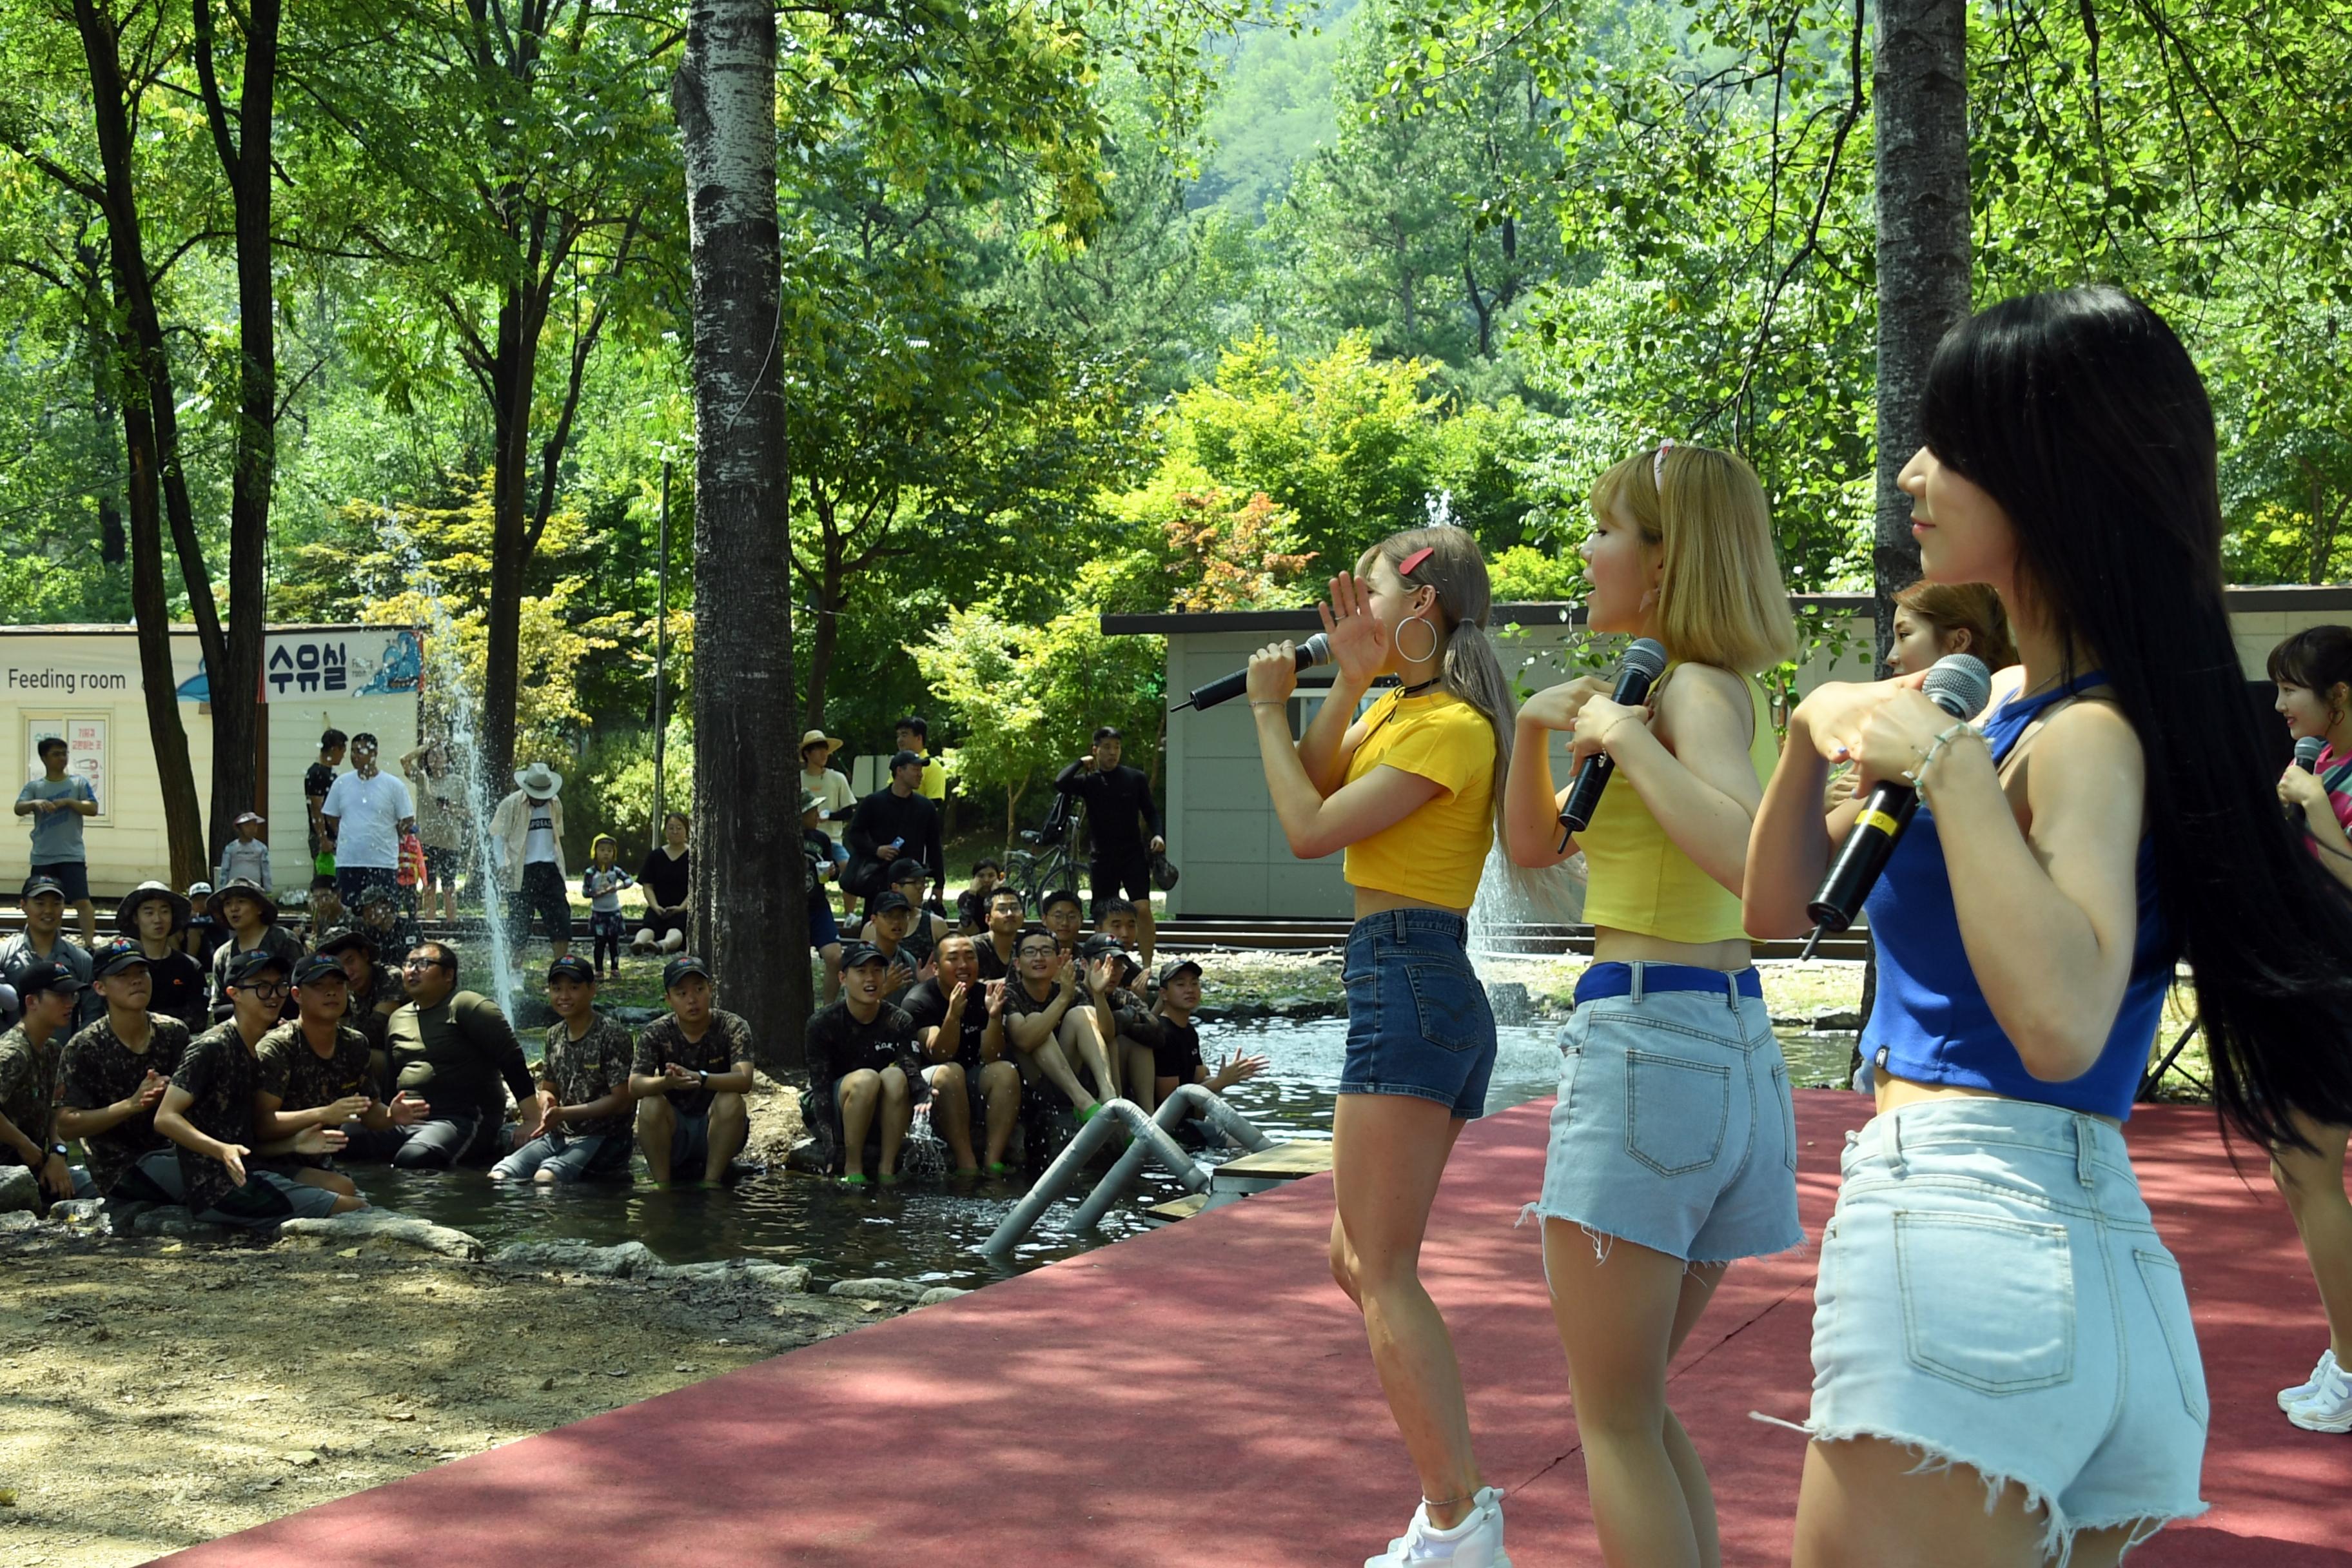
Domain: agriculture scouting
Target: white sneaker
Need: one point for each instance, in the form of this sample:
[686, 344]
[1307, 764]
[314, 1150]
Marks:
[2330, 1407]
[1476, 1543]
[2291, 1397]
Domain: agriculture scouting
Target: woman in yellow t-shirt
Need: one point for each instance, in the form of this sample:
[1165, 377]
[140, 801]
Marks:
[1411, 792]
[1673, 1147]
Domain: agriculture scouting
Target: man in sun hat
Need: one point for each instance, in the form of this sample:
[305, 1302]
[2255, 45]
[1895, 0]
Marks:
[527, 839]
[153, 916]
[248, 919]
[367, 810]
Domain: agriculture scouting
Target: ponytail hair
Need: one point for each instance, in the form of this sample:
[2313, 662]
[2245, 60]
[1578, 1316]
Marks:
[1471, 669]
[2080, 412]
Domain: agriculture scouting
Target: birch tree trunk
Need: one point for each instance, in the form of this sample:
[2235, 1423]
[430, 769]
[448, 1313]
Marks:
[1919, 94]
[751, 917]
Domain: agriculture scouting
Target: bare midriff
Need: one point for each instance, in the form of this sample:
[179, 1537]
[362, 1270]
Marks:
[1380, 901]
[1894, 1093]
[1611, 946]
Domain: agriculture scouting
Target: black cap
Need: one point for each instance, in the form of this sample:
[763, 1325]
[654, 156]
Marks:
[246, 965]
[908, 868]
[1176, 966]
[36, 885]
[860, 954]
[678, 968]
[906, 759]
[890, 901]
[114, 957]
[317, 967]
[49, 976]
[344, 940]
[571, 967]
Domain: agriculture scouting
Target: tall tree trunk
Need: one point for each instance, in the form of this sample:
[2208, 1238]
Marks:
[513, 377]
[245, 155]
[1919, 89]
[749, 915]
[184, 830]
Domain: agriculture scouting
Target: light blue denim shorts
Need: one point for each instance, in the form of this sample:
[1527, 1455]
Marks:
[1992, 1294]
[1674, 1129]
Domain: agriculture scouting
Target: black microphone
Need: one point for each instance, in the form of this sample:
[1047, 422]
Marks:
[1959, 684]
[1644, 663]
[2306, 757]
[1314, 651]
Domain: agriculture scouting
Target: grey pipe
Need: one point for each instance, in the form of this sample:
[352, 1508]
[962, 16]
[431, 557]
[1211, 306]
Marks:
[1073, 1158]
[1238, 1130]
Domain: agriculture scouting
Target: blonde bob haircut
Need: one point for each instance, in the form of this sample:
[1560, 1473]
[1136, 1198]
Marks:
[1720, 599]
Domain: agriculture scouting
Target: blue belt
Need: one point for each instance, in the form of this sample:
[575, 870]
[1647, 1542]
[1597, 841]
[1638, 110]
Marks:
[1602, 980]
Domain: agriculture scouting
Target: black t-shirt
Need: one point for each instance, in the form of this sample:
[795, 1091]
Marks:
[914, 822]
[1175, 1047]
[1115, 801]
[665, 878]
[991, 966]
[317, 781]
[180, 988]
[926, 1005]
[838, 1045]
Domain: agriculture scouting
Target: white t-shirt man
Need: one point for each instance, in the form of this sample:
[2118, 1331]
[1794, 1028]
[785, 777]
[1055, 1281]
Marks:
[538, 843]
[368, 812]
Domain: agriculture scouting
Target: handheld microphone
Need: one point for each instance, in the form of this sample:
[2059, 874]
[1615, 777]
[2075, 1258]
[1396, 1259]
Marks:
[1959, 684]
[2306, 757]
[1314, 651]
[1644, 663]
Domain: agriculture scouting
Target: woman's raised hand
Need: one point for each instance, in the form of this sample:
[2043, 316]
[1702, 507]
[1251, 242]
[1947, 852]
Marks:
[1359, 644]
[1557, 707]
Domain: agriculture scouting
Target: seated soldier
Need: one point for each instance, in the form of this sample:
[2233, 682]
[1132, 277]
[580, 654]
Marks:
[861, 1054]
[374, 992]
[248, 920]
[586, 1111]
[971, 904]
[960, 1023]
[154, 916]
[47, 991]
[318, 1071]
[1008, 911]
[1048, 1029]
[1061, 912]
[688, 1075]
[1110, 974]
[909, 880]
[114, 1075]
[891, 934]
[211, 1109]
[1175, 1040]
[455, 1051]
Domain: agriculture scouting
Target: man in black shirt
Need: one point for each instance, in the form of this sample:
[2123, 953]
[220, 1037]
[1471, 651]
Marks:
[1007, 913]
[153, 915]
[1175, 1040]
[1047, 1027]
[890, 823]
[316, 784]
[960, 1023]
[1062, 915]
[1123, 829]
[861, 1054]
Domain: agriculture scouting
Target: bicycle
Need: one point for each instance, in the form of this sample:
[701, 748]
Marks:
[1054, 864]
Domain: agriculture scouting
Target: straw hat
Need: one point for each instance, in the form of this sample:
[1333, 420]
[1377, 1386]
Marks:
[819, 738]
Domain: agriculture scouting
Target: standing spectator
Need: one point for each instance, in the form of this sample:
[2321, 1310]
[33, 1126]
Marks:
[1123, 831]
[42, 942]
[915, 735]
[583, 1090]
[318, 782]
[670, 898]
[890, 823]
[203, 933]
[862, 1057]
[29, 1053]
[113, 1076]
[440, 823]
[689, 1075]
[971, 904]
[250, 917]
[247, 854]
[527, 836]
[153, 916]
[601, 885]
[366, 812]
[57, 803]
[820, 778]
[454, 1050]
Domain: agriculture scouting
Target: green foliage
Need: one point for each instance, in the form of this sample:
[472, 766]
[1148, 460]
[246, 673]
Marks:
[618, 769]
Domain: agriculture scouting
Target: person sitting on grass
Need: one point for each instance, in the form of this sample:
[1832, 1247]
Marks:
[1049, 1029]
[317, 1070]
[601, 885]
[250, 917]
[212, 1112]
[1175, 1040]
[1063, 915]
[1008, 911]
[153, 915]
[665, 877]
[861, 1052]
[891, 934]
[960, 1023]
[30, 1054]
[971, 904]
[823, 869]
[454, 1050]
[114, 1075]
[585, 1107]
[688, 1076]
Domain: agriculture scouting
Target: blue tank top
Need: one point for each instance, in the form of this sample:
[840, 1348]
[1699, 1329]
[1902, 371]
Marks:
[1931, 1019]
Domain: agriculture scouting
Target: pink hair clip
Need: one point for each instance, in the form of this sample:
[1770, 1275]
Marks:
[1405, 567]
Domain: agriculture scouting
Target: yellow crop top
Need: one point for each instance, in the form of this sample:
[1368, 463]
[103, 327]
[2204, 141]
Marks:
[1438, 852]
[1639, 881]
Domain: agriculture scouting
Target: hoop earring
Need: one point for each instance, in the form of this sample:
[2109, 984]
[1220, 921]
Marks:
[1422, 621]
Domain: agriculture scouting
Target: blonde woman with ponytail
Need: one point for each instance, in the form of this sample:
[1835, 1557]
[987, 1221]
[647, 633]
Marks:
[1412, 792]
[1673, 1149]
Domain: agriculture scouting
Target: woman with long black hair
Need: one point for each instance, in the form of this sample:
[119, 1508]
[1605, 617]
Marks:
[2004, 1369]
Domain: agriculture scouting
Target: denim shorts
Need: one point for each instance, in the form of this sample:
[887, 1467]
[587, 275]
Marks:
[567, 1157]
[1418, 1022]
[1674, 1129]
[1992, 1294]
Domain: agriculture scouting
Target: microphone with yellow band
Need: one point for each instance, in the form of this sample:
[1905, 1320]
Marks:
[1960, 684]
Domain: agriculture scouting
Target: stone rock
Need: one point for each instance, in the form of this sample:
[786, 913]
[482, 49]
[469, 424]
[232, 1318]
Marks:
[81, 1214]
[879, 1290]
[737, 1272]
[629, 1261]
[383, 1225]
[1244, 1012]
[939, 1293]
[172, 1222]
[299, 1457]
[635, 1017]
[1842, 1019]
[19, 1190]
[1509, 1000]
[530, 1013]
[12, 1220]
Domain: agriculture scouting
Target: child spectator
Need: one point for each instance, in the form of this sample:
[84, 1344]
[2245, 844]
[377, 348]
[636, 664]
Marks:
[246, 855]
[202, 933]
[601, 884]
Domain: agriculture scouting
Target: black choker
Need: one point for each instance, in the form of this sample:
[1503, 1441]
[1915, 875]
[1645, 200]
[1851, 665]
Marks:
[1417, 691]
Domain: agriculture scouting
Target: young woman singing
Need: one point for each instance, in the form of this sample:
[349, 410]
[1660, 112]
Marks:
[1672, 1148]
[1411, 792]
[2004, 1368]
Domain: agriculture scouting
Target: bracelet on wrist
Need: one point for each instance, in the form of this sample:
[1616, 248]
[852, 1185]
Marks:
[1918, 775]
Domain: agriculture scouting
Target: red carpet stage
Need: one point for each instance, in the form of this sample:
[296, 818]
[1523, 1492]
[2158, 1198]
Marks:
[1202, 1394]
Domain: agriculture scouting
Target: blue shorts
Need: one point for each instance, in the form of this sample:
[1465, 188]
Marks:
[1992, 1294]
[1675, 1129]
[823, 930]
[1418, 1022]
[72, 876]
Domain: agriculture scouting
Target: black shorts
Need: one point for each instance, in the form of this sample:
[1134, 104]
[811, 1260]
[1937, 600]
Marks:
[662, 926]
[440, 865]
[543, 893]
[1118, 872]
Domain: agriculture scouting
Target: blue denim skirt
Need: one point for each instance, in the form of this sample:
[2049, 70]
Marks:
[1418, 1022]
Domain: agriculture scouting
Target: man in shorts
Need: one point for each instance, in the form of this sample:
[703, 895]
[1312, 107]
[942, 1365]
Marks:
[367, 812]
[57, 802]
[862, 1060]
[29, 1057]
[1053, 1032]
[1123, 831]
[527, 836]
[958, 1022]
[115, 1073]
[688, 1075]
[586, 1113]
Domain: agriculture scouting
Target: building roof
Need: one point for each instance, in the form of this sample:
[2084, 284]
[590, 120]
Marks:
[93, 629]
